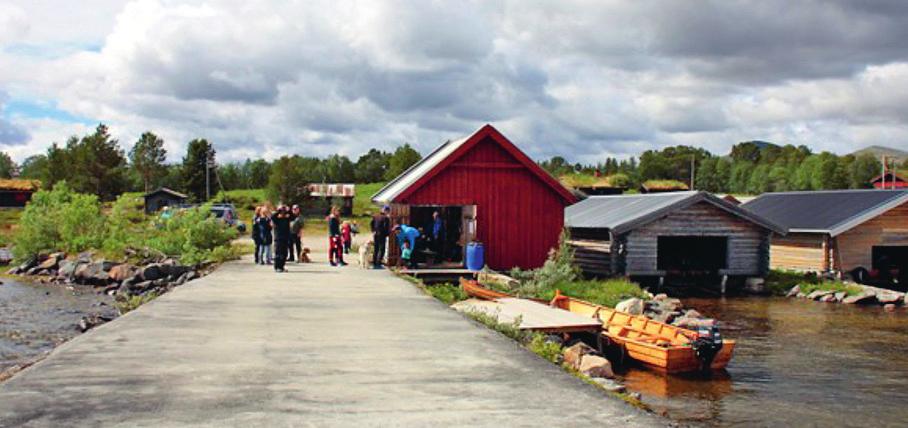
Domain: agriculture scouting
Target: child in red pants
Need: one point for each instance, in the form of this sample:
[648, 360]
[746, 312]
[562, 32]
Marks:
[335, 241]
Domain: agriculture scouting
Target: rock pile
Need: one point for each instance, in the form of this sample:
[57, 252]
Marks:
[157, 275]
[868, 296]
[665, 309]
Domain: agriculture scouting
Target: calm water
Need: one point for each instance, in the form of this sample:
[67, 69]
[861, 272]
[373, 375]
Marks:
[35, 318]
[796, 363]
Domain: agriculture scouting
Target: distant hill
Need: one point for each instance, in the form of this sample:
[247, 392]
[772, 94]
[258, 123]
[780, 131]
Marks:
[878, 151]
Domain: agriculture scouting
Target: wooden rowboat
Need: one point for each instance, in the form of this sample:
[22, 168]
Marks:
[657, 345]
[661, 346]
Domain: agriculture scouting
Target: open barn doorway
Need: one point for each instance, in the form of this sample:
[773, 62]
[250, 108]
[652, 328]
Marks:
[457, 229]
[692, 255]
[890, 266]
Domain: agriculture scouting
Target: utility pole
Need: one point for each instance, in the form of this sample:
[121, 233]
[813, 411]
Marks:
[883, 175]
[209, 163]
[693, 166]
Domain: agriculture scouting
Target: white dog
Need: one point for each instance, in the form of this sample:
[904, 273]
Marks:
[365, 254]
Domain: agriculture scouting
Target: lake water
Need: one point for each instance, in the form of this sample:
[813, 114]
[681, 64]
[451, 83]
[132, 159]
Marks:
[34, 318]
[796, 363]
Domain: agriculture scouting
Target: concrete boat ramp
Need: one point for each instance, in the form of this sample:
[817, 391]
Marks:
[317, 346]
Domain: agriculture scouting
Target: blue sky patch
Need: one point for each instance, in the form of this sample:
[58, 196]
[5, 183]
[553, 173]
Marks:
[42, 110]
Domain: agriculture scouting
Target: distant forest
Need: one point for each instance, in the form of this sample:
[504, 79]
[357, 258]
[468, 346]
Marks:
[97, 164]
[751, 168]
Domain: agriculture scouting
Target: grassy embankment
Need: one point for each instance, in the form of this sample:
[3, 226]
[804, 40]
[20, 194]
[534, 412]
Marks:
[779, 282]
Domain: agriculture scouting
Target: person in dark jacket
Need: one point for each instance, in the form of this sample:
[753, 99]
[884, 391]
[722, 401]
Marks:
[296, 234]
[381, 229]
[438, 236]
[265, 235]
[281, 222]
[257, 234]
[335, 241]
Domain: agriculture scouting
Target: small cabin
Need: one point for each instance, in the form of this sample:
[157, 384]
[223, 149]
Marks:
[845, 232]
[484, 189]
[15, 193]
[322, 196]
[889, 180]
[163, 197]
[668, 236]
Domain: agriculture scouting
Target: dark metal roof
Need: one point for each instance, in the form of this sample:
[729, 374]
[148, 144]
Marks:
[168, 191]
[621, 213]
[832, 212]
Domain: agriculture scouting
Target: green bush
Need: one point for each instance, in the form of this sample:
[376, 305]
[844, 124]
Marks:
[541, 346]
[559, 268]
[63, 220]
[778, 282]
[59, 219]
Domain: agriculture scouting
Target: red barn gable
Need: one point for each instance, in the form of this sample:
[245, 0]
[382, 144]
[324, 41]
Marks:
[511, 205]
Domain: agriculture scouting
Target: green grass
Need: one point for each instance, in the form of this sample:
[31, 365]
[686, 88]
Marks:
[778, 282]
[128, 302]
[9, 220]
[603, 292]
[447, 293]
[362, 202]
[851, 290]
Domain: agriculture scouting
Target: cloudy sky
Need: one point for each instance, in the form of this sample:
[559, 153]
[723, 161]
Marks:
[581, 79]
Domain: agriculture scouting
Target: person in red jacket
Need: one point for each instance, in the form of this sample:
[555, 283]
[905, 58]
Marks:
[335, 240]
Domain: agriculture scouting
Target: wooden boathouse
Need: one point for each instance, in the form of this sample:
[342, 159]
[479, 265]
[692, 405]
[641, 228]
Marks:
[853, 232]
[668, 236]
[486, 190]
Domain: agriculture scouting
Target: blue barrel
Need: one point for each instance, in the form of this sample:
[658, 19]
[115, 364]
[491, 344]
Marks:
[476, 256]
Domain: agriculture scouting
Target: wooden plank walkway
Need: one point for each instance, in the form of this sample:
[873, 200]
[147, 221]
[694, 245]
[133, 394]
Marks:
[533, 315]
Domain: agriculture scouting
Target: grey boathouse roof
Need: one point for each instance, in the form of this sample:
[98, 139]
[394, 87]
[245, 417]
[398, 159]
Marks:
[622, 213]
[833, 211]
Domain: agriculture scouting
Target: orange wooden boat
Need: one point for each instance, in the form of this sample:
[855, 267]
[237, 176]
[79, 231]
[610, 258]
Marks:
[660, 346]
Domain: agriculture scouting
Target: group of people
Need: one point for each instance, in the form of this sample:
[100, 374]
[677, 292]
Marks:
[278, 237]
[282, 231]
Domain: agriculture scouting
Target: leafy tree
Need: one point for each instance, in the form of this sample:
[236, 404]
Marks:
[371, 167]
[231, 176]
[7, 166]
[404, 157]
[256, 173]
[864, 168]
[94, 164]
[34, 167]
[288, 180]
[194, 170]
[148, 156]
[339, 169]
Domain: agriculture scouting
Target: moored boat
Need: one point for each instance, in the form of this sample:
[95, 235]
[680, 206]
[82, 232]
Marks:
[657, 345]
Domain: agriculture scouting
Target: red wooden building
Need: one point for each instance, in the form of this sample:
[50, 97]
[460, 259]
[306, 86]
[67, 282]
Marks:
[487, 190]
[891, 180]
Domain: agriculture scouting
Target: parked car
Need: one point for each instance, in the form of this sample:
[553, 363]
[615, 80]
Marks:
[223, 212]
[227, 214]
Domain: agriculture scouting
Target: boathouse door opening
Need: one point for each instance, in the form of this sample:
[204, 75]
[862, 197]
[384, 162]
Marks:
[692, 254]
[459, 228]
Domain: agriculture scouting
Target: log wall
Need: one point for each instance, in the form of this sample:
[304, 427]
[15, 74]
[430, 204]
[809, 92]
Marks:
[854, 248]
[748, 243]
[803, 252]
[594, 258]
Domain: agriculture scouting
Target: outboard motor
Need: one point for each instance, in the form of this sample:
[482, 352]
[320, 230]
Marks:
[707, 346]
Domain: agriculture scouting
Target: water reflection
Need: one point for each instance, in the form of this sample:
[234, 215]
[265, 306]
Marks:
[796, 363]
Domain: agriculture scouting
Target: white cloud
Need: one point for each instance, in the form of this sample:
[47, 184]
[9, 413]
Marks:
[583, 79]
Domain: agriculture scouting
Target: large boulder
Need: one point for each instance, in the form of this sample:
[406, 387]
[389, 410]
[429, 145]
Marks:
[816, 295]
[51, 261]
[860, 299]
[633, 306]
[67, 268]
[121, 272]
[694, 323]
[151, 272]
[840, 296]
[794, 291]
[829, 298]
[91, 273]
[596, 366]
[889, 297]
[574, 353]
